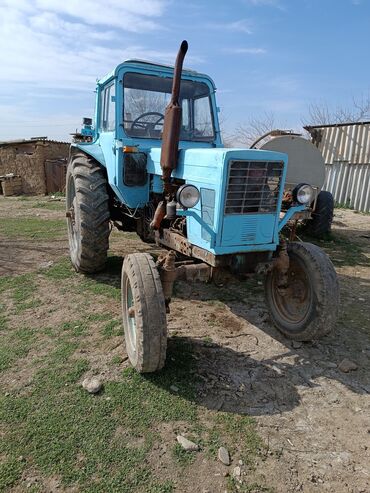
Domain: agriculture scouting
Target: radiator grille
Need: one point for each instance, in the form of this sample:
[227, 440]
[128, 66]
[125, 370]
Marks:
[253, 186]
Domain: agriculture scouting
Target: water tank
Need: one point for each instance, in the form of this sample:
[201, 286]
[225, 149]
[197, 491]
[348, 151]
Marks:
[305, 162]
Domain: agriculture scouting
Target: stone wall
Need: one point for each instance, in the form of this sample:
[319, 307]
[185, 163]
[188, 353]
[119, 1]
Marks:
[28, 160]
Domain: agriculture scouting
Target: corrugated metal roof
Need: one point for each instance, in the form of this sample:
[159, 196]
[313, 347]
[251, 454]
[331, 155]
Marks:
[32, 140]
[348, 143]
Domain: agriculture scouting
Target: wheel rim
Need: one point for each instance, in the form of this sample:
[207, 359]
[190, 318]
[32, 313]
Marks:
[294, 302]
[130, 317]
[73, 215]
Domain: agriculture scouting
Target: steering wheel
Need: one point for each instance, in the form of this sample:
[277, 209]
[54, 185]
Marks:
[148, 126]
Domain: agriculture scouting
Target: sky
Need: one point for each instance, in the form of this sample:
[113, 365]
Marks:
[265, 56]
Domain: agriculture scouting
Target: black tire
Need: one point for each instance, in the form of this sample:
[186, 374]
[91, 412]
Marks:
[322, 217]
[144, 313]
[307, 309]
[87, 214]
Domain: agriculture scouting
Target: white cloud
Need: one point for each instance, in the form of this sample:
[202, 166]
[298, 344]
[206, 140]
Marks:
[48, 49]
[242, 25]
[246, 51]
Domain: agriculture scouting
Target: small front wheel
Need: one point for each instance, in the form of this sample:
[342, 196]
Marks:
[306, 307]
[144, 313]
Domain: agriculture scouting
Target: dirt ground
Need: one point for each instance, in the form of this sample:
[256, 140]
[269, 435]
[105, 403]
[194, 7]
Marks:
[313, 418]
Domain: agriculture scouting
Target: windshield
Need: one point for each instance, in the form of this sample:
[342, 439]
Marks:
[145, 101]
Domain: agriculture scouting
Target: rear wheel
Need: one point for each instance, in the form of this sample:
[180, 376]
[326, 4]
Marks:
[322, 217]
[306, 307]
[87, 214]
[144, 313]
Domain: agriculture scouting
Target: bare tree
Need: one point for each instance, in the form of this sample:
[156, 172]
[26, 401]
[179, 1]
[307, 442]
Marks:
[322, 114]
[248, 133]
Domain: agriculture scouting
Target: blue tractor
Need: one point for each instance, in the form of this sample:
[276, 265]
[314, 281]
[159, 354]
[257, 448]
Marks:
[154, 163]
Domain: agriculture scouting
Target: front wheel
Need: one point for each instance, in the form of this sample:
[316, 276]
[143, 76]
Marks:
[306, 307]
[144, 313]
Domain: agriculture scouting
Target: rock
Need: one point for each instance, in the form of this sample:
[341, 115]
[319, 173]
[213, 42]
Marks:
[297, 344]
[328, 364]
[187, 444]
[224, 456]
[92, 385]
[240, 462]
[237, 472]
[174, 388]
[347, 365]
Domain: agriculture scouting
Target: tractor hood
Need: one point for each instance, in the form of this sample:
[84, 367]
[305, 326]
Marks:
[209, 165]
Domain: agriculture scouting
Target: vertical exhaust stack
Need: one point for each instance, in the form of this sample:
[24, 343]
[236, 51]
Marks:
[172, 123]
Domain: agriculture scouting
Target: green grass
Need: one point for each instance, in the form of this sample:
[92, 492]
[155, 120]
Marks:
[183, 457]
[15, 345]
[32, 228]
[50, 206]
[341, 250]
[22, 290]
[62, 269]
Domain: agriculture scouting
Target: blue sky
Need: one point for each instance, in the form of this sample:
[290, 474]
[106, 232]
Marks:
[264, 55]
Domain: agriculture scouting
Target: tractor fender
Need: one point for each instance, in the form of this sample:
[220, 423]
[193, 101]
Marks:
[93, 150]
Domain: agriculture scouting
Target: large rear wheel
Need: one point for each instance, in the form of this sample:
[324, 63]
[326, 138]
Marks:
[144, 313]
[87, 214]
[306, 307]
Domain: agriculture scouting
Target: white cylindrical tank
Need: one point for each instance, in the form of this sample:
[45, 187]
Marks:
[305, 162]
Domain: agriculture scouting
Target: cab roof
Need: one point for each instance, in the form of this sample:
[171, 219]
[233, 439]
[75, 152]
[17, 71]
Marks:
[136, 63]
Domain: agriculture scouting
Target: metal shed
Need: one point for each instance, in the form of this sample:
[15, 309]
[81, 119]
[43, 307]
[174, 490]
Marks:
[346, 151]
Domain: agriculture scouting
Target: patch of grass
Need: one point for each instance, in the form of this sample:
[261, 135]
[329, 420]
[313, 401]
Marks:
[22, 290]
[32, 227]
[60, 270]
[15, 345]
[181, 456]
[230, 429]
[166, 487]
[3, 323]
[69, 433]
[51, 206]
[76, 328]
[10, 472]
[341, 251]
[57, 194]
[112, 328]
[95, 286]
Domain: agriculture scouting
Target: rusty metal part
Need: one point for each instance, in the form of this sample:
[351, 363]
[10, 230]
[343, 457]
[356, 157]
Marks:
[159, 214]
[194, 272]
[179, 243]
[167, 271]
[293, 230]
[174, 241]
[172, 123]
[281, 265]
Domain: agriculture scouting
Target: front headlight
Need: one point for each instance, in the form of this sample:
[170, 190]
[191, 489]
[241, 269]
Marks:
[187, 196]
[303, 194]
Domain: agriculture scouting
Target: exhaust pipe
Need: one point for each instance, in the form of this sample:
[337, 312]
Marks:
[172, 123]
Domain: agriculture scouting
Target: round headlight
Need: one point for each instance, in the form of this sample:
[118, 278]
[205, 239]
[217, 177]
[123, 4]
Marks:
[188, 196]
[303, 193]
